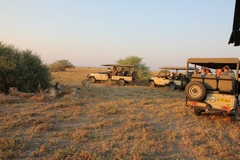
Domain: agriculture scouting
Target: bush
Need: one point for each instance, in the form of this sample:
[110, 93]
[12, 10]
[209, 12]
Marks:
[22, 69]
[60, 65]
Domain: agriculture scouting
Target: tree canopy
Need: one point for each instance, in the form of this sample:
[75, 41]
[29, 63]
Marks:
[143, 70]
[60, 65]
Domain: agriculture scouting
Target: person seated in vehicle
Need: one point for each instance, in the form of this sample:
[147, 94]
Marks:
[203, 72]
[208, 71]
[218, 72]
[172, 75]
[121, 73]
[167, 75]
[179, 77]
[227, 72]
[109, 72]
[195, 72]
[115, 71]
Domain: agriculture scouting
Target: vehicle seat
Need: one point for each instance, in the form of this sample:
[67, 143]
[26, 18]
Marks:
[197, 77]
[179, 76]
[126, 73]
[210, 82]
[225, 83]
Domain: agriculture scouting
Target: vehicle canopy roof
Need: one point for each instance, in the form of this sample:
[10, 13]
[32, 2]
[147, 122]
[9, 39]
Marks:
[215, 63]
[176, 68]
[119, 65]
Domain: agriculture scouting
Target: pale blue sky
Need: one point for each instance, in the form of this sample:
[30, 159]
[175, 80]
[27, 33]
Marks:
[95, 32]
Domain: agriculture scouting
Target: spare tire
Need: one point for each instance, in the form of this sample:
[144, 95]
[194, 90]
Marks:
[195, 91]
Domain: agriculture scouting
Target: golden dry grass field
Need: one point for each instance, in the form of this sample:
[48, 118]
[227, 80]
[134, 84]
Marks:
[111, 122]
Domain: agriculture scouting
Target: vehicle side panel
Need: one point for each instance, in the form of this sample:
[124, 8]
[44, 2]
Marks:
[99, 77]
[160, 81]
[177, 82]
[126, 78]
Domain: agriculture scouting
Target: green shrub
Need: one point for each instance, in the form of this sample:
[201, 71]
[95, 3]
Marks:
[22, 69]
[143, 70]
[60, 65]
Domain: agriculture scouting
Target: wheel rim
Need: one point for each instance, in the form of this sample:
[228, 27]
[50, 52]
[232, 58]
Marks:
[92, 80]
[195, 91]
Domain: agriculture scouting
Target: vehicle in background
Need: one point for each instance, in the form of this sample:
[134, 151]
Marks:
[98, 76]
[213, 93]
[125, 74]
[178, 78]
[161, 79]
[170, 76]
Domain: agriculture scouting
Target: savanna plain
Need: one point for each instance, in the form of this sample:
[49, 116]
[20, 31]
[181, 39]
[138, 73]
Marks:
[113, 122]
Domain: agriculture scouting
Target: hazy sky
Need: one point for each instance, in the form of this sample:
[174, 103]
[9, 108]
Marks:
[95, 32]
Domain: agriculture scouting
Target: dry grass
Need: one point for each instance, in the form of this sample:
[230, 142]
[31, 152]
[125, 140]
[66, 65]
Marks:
[112, 122]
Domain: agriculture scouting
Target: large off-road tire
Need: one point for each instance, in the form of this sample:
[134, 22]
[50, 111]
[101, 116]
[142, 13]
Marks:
[172, 87]
[92, 79]
[121, 82]
[197, 112]
[152, 84]
[195, 91]
[234, 118]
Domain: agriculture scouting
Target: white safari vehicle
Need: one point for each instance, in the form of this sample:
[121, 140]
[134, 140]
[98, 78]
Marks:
[172, 77]
[212, 93]
[161, 79]
[127, 76]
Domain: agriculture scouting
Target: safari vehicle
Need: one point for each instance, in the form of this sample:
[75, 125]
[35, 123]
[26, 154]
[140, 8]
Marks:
[214, 93]
[170, 76]
[161, 79]
[127, 77]
[98, 76]
[179, 80]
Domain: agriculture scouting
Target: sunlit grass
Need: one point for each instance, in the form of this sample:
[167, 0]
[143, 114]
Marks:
[112, 122]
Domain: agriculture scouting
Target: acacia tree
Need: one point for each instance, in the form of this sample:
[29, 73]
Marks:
[60, 65]
[143, 70]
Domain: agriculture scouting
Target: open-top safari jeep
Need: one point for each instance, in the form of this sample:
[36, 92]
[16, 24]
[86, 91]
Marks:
[161, 79]
[98, 76]
[179, 80]
[127, 76]
[213, 93]
[170, 76]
